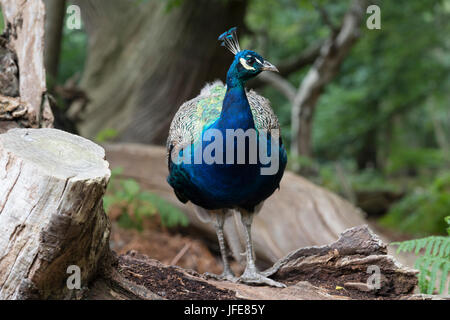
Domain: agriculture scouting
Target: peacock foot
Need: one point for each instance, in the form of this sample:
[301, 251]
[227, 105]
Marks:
[253, 277]
[226, 275]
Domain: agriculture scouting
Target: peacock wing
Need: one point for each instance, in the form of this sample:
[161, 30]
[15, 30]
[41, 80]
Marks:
[194, 115]
[263, 115]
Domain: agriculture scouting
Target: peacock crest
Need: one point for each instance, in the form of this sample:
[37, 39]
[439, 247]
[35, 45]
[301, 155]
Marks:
[230, 40]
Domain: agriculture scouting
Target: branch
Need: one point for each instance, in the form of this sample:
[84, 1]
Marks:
[279, 83]
[326, 18]
[325, 68]
[305, 58]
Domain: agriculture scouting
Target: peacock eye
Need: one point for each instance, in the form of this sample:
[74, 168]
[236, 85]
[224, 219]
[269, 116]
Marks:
[251, 60]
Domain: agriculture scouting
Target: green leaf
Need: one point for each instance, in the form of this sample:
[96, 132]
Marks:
[131, 187]
[2, 26]
[108, 201]
[117, 171]
[106, 135]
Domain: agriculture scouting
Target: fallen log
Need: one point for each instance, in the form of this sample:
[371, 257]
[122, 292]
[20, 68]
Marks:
[334, 271]
[349, 262]
[299, 214]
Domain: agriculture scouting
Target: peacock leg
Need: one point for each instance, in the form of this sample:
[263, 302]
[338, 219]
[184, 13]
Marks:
[227, 273]
[251, 274]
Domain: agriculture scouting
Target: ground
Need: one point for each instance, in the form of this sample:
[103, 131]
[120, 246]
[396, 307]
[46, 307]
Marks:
[169, 247]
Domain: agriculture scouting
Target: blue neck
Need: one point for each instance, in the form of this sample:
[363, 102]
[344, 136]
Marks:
[236, 112]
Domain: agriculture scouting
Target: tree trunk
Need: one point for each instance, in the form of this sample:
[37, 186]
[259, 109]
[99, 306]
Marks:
[23, 45]
[51, 211]
[54, 23]
[367, 156]
[144, 61]
[304, 124]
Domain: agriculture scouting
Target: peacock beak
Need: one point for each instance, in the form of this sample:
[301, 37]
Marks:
[267, 66]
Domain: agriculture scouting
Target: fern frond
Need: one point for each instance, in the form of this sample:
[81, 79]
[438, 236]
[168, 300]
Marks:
[434, 270]
[434, 246]
[444, 277]
[435, 258]
[423, 265]
[429, 267]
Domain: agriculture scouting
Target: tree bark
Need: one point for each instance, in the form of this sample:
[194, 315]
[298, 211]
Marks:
[54, 23]
[23, 42]
[51, 211]
[145, 61]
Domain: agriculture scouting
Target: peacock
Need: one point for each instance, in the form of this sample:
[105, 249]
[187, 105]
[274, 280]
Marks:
[217, 163]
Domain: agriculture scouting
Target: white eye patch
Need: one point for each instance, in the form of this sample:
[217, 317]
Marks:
[249, 56]
[245, 65]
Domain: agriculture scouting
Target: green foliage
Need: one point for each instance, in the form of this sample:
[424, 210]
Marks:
[171, 4]
[415, 159]
[73, 53]
[383, 86]
[307, 165]
[135, 205]
[391, 94]
[422, 211]
[359, 180]
[331, 175]
[434, 264]
[106, 135]
[2, 23]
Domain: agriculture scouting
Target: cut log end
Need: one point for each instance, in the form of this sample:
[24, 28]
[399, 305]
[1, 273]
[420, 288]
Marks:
[58, 153]
[51, 212]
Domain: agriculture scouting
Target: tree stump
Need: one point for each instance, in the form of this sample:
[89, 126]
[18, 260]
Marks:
[51, 213]
[23, 97]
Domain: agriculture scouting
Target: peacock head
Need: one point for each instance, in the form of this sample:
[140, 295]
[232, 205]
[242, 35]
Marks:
[246, 64]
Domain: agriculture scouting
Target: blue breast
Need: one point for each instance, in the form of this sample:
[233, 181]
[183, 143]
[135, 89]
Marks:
[216, 186]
